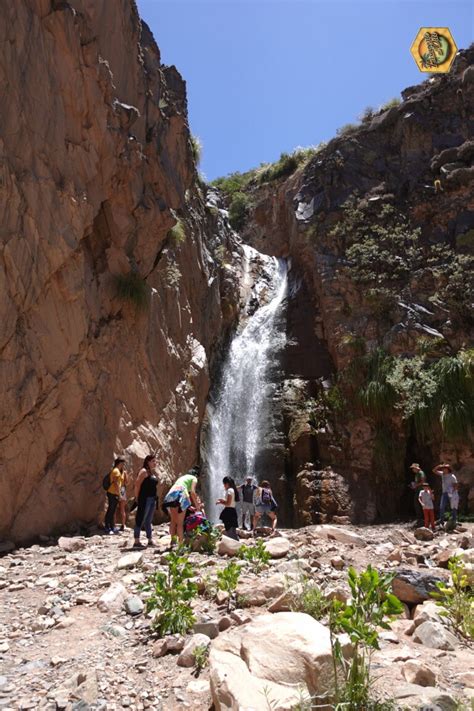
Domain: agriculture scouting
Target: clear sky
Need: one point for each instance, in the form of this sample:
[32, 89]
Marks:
[265, 76]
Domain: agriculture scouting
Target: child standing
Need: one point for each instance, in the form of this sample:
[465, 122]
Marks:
[426, 499]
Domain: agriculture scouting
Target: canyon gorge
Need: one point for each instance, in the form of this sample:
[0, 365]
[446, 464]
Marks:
[127, 280]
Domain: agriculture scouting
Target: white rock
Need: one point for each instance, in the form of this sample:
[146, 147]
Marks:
[186, 658]
[334, 533]
[112, 598]
[258, 591]
[274, 659]
[130, 560]
[434, 635]
[228, 546]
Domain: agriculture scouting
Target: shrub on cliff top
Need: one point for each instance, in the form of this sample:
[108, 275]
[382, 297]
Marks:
[238, 210]
[196, 148]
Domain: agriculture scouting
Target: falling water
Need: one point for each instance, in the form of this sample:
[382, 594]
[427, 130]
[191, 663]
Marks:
[241, 416]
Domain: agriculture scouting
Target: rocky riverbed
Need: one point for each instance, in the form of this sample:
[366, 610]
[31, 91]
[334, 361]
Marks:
[74, 633]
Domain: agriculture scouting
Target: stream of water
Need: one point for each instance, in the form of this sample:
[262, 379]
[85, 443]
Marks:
[240, 417]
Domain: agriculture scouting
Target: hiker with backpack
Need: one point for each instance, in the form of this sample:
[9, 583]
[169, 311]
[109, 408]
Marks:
[113, 483]
[228, 515]
[265, 504]
[146, 496]
[179, 498]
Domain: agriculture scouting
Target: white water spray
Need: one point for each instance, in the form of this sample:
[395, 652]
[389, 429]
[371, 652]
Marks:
[240, 419]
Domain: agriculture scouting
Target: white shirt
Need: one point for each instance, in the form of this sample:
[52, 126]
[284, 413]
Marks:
[447, 481]
[424, 497]
[232, 498]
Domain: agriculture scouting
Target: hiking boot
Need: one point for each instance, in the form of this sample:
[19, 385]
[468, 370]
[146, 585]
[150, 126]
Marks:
[138, 544]
[150, 543]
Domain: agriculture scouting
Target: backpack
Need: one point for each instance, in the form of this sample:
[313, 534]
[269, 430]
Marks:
[106, 481]
[266, 497]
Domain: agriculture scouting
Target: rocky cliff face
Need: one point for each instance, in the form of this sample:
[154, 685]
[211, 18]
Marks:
[96, 168]
[379, 228]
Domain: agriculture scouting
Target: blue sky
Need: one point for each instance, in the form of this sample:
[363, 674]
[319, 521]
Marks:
[265, 76]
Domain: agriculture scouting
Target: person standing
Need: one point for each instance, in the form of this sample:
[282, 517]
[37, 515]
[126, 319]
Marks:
[146, 495]
[123, 501]
[454, 503]
[447, 481]
[426, 499]
[417, 485]
[179, 498]
[265, 504]
[247, 501]
[113, 494]
[228, 514]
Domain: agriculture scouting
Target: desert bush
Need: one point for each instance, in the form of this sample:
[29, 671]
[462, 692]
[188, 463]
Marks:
[171, 593]
[457, 599]
[347, 129]
[371, 605]
[201, 658]
[177, 232]
[306, 596]
[133, 288]
[196, 148]
[257, 555]
[395, 101]
[238, 210]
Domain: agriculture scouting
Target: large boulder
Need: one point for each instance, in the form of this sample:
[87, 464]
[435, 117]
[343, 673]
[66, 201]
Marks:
[271, 662]
[413, 587]
[229, 546]
[434, 635]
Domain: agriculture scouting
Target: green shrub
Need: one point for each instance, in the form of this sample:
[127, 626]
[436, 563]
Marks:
[204, 539]
[367, 114]
[177, 232]
[347, 129]
[377, 396]
[457, 599]
[234, 182]
[395, 101]
[307, 597]
[201, 658]
[133, 288]
[371, 604]
[171, 594]
[238, 210]
[196, 148]
[357, 344]
[228, 578]
[257, 555]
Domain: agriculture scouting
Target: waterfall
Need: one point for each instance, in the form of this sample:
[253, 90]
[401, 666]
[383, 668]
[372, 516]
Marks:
[240, 418]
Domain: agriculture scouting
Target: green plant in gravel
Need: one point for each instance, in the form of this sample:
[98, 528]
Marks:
[228, 578]
[205, 537]
[457, 599]
[201, 658]
[306, 596]
[371, 604]
[133, 288]
[171, 593]
[257, 555]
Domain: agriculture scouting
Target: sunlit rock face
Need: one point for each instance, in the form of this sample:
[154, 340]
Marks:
[96, 167]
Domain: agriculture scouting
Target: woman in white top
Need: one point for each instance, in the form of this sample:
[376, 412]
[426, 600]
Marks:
[229, 514]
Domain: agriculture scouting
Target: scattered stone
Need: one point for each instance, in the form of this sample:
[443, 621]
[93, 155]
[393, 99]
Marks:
[282, 603]
[186, 658]
[222, 597]
[435, 636]
[278, 547]
[210, 629]
[224, 624]
[130, 560]
[254, 593]
[198, 686]
[134, 605]
[416, 673]
[71, 544]
[228, 546]
[342, 520]
[332, 533]
[424, 534]
[240, 617]
[466, 678]
[174, 643]
[337, 562]
[112, 598]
